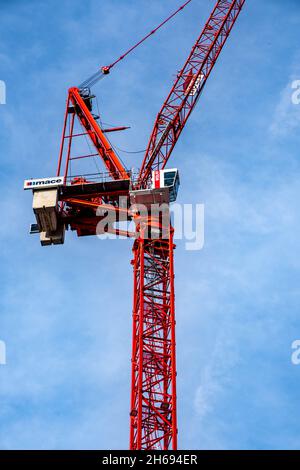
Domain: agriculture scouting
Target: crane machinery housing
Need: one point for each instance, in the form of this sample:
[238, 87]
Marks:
[92, 203]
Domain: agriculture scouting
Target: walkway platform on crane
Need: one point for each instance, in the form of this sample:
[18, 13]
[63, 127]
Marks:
[105, 187]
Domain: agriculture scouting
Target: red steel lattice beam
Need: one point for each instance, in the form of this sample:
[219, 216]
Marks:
[76, 106]
[188, 86]
[153, 421]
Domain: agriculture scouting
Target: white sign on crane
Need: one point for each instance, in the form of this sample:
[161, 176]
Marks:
[42, 183]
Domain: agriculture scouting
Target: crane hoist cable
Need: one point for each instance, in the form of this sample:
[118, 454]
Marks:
[100, 74]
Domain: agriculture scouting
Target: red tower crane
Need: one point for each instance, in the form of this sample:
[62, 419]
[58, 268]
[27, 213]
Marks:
[93, 203]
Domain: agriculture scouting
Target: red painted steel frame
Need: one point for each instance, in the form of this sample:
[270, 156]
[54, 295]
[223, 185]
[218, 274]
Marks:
[153, 421]
[180, 103]
[95, 133]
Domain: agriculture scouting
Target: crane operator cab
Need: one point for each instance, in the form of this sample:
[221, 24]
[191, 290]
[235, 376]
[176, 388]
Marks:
[167, 179]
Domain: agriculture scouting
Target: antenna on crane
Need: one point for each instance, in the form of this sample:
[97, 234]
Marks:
[91, 81]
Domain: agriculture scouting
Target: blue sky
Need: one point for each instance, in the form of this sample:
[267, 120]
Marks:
[65, 312]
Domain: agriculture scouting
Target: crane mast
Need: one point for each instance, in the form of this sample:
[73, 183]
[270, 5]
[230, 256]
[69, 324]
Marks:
[84, 202]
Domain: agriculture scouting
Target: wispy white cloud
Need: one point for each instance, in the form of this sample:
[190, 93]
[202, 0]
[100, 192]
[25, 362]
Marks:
[238, 279]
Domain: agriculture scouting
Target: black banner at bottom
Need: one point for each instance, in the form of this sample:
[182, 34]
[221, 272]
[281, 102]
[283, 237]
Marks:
[128, 459]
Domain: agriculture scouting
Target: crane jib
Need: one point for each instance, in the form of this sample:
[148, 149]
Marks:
[188, 87]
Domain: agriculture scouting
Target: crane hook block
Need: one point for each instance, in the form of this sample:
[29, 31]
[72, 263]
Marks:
[105, 70]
